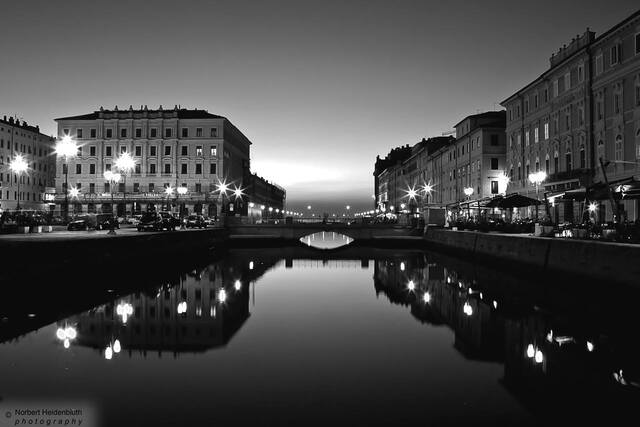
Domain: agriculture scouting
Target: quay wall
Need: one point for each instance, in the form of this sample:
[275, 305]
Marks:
[123, 252]
[615, 262]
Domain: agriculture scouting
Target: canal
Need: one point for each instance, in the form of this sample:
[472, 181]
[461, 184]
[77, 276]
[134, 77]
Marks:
[305, 336]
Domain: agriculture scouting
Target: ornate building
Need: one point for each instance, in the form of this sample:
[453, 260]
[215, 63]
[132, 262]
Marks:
[178, 148]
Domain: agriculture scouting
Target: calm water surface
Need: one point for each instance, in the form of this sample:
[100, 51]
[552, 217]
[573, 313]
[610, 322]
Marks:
[355, 336]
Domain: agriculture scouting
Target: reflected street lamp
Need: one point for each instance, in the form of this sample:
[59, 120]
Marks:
[67, 149]
[18, 165]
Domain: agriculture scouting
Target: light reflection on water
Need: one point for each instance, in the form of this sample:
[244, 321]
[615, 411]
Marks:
[326, 240]
[266, 335]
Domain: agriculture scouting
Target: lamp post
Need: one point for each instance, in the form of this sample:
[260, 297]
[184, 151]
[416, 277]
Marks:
[18, 165]
[112, 178]
[169, 192]
[222, 188]
[181, 192]
[67, 149]
[468, 191]
[125, 164]
[537, 178]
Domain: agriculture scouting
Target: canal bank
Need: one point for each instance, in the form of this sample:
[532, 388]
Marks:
[127, 250]
[614, 262]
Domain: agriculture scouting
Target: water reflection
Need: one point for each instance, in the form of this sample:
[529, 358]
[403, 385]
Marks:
[326, 240]
[316, 335]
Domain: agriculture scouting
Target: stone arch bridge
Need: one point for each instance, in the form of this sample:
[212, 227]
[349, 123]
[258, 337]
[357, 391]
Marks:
[357, 232]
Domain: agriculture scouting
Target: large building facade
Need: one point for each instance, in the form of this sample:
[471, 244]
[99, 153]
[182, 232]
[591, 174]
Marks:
[17, 138]
[174, 148]
[437, 171]
[579, 120]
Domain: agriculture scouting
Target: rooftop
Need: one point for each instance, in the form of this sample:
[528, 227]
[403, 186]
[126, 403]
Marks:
[144, 112]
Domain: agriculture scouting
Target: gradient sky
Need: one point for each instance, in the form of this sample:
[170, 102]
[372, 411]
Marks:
[320, 87]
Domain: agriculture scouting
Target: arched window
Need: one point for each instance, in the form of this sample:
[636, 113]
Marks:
[537, 164]
[519, 171]
[546, 164]
[583, 157]
[568, 160]
[527, 170]
[556, 162]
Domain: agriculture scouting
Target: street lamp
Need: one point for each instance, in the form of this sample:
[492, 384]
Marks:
[18, 165]
[125, 163]
[537, 178]
[182, 190]
[112, 178]
[169, 192]
[67, 149]
[222, 188]
[468, 191]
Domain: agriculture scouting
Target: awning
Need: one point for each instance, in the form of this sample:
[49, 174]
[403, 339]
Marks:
[626, 188]
[517, 201]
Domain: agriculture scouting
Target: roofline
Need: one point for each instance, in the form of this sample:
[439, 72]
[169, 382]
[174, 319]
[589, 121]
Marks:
[481, 114]
[584, 48]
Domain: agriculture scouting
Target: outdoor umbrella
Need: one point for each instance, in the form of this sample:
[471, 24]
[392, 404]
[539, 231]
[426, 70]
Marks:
[517, 201]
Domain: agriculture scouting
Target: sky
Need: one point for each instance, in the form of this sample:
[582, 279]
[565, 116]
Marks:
[320, 87]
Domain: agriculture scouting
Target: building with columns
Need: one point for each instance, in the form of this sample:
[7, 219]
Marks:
[17, 138]
[173, 148]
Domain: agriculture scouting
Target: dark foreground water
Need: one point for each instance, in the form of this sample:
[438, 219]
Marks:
[297, 336]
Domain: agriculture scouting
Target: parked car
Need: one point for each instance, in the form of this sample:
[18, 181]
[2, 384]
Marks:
[157, 221]
[106, 222]
[170, 221]
[82, 222]
[195, 221]
[210, 221]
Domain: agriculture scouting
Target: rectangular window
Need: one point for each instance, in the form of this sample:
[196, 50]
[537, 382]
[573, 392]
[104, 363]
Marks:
[580, 73]
[167, 150]
[198, 188]
[107, 187]
[152, 187]
[78, 133]
[92, 133]
[184, 150]
[185, 132]
[199, 150]
[138, 132]
[153, 150]
[136, 169]
[567, 81]
[92, 150]
[92, 187]
[494, 187]
[638, 44]
[599, 65]
[615, 54]
[546, 130]
[154, 132]
[183, 168]
[526, 138]
[109, 133]
[92, 168]
[214, 151]
[78, 169]
[494, 163]
[136, 187]
[212, 168]
[107, 166]
[214, 132]
[546, 95]
[167, 133]
[556, 86]
[199, 132]
[123, 133]
[152, 168]
[123, 149]
[198, 168]
[536, 136]
[167, 168]
[138, 150]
